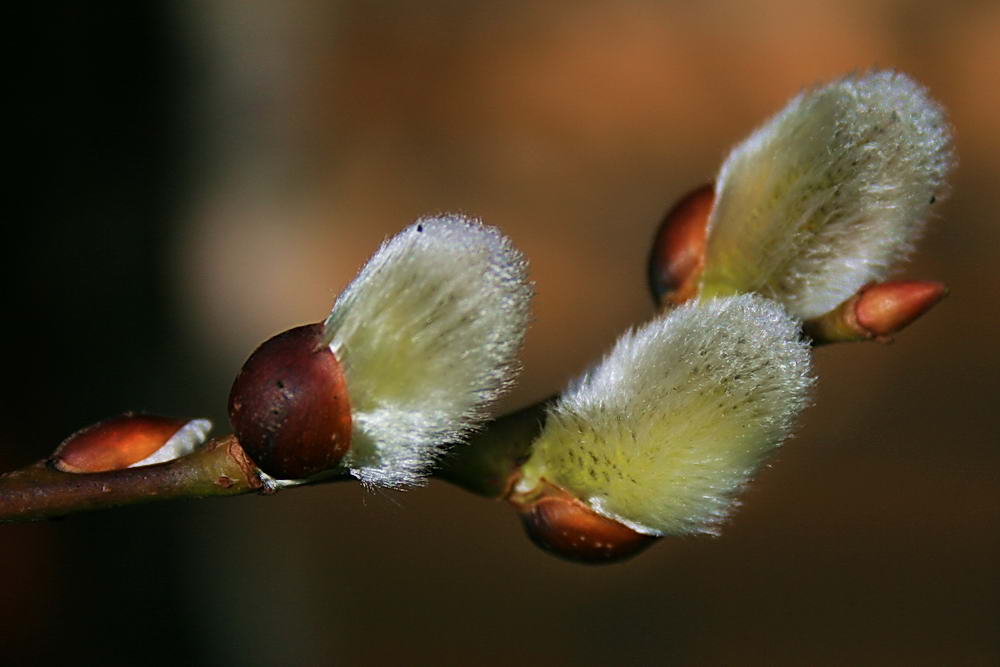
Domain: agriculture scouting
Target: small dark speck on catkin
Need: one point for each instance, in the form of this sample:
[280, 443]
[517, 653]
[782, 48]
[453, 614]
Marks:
[420, 228]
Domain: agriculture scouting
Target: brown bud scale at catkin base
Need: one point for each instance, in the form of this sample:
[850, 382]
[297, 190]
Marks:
[567, 527]
[289, 405]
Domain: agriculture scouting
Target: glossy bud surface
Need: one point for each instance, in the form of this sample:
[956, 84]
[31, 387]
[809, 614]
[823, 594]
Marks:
[289, 405]
[115, 443]
[678, 254]
[567, 527]
[877, 312]
[887, 308]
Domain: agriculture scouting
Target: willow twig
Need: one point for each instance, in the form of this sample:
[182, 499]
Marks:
[220, 468]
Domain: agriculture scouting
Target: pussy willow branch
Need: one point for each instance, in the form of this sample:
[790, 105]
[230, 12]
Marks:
[486, 466]
[221, 468]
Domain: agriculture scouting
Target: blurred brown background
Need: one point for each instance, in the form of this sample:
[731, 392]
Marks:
[207, 174]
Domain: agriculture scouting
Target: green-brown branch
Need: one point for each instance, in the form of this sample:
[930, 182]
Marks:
[39, 491]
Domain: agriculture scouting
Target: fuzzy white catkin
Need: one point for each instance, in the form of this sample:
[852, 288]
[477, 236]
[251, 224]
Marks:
[427, 334]
[664, 432]
[829, 194]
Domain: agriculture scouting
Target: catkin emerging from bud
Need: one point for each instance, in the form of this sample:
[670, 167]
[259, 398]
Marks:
[427, 334]
[829, 194]
[663, 433]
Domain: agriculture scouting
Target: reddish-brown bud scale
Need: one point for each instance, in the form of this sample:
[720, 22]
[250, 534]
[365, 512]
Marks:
[876, 312]
[565, 526]
[114, 443]
[678, 255]
[289, 405]
[886, 308]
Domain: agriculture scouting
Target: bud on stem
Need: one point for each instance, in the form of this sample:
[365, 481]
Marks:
[876, 312]
[410, 358]
[661, 436]
[127, 441]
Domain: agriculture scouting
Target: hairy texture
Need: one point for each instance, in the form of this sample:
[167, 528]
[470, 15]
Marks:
[676, 419]
[428, 335]
[829, 194]
[188, 438]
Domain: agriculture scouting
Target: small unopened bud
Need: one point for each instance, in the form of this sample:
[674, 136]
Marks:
[889, 307]
[678, 255]
[662, 435]
[876, 312]
[567, 527]
[128, 441]
[289, 405]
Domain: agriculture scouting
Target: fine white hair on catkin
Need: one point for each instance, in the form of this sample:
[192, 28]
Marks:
[428, 335]
[829, 194]
[667, 429]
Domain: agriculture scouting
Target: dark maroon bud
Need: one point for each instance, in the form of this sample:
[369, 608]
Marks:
[289, 405]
